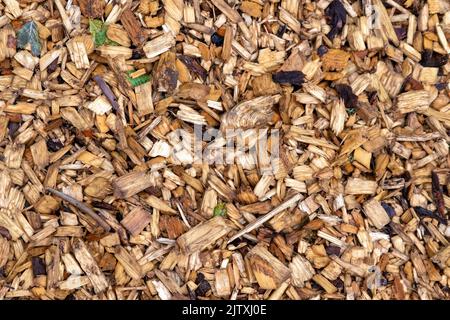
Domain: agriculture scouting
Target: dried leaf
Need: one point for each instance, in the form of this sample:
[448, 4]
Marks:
[220, 210]
[289, 77]
[28, 34]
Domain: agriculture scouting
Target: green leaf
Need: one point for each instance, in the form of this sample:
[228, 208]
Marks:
[28, 34]
[220, 210]
[98, 30]
[139, 80]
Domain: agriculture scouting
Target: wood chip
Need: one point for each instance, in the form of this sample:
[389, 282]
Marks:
[89, 266]
[268, 270]
[203, 235]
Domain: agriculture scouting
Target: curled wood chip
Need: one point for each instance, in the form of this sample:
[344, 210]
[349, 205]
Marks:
[257, 112]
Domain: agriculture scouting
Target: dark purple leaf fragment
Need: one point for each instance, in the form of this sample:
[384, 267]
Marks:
[345, 93]
[289, 77]
[387, 229]
[12, 128]
[281, 31]
[70, 297]
[432, 59]
[422, 212]
[38, 266]
[338, 283]
[137, 54]
[401, 33]
[322, 50]
[389, 210]
[217, 39]
[383, 281]
[191, 294]
[5, 233]
[203, 285]
[438, 196]
[333, 250]
[404, 198]
[54, 145]
[441, 86]
[338, 17]
[107, 92]
[53, 66]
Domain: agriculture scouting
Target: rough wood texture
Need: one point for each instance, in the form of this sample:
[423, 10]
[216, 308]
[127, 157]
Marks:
[132, 26]
[376, 213]
[89, 266]
[268, 270]
[203, 235]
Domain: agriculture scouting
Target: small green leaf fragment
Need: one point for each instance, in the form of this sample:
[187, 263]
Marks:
[95, 26]
[98, 30]
[220, 210]
[139, 80]
[28, 34]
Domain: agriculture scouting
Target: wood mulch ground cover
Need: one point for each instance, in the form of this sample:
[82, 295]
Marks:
[117, 179]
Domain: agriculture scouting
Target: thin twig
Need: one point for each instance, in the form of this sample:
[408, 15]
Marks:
[255, 224]
[88, 72]
[82, 207]
[438, 196]
[182, 215]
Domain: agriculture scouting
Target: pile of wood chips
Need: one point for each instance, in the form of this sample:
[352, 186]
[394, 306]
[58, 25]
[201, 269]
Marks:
[99, 201]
